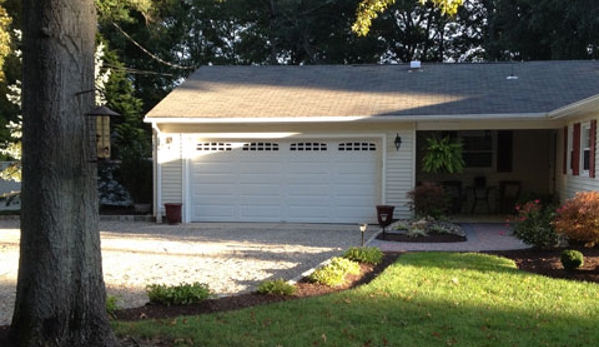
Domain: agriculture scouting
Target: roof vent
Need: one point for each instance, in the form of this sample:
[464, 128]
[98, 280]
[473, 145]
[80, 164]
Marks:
[415, 64]
[512, 77]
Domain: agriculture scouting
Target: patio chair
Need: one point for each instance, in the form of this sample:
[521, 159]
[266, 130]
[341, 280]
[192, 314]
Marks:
[509, 192]
[453, 189]
[481, 192]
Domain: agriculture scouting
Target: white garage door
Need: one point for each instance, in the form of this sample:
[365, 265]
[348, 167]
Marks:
[295, 181]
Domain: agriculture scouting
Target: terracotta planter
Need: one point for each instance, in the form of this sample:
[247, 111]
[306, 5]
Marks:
[173, 213]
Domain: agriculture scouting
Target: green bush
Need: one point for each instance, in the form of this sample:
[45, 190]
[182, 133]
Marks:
[428, 199]
[276, 287]
[112, 305]
[334, 273]
[366, 255]
[182, 294]
[533, 225]
[572, 259]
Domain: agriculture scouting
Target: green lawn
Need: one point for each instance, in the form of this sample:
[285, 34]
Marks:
[424, 299]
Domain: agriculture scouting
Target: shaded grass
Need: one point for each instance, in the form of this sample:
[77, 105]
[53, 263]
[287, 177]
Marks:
[424, 299]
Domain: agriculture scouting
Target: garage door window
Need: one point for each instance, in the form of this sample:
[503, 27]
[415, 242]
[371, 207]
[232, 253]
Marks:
[357, 147]
[213, 147]
[308, 146]
[261, 146]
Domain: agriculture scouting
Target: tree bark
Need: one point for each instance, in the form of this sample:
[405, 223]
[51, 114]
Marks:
[60, 292]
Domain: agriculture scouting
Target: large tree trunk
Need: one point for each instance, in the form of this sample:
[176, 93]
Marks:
[60, 291]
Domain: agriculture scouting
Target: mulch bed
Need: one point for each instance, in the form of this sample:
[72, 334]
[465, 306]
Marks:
[431, 238]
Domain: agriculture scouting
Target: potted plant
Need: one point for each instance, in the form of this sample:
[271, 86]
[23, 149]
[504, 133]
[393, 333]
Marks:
[443, 155]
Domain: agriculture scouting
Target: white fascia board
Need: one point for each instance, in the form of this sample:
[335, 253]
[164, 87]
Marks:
[576, 109]
[253, 120]
[374, 119]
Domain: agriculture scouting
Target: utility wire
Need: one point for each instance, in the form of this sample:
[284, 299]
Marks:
[136, 71]
[176, 66]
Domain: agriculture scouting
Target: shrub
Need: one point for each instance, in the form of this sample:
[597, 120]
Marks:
[334, 273]
[276, 287]
[366, 255]
[428, 199]
[578, 218]
[112, 305]
[571, 259]
[182, 294]
[533, 225]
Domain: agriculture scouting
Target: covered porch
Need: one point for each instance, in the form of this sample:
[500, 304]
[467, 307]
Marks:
[502, 167]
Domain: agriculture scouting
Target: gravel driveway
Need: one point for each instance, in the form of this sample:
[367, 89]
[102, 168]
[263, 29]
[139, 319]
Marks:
[230, 258]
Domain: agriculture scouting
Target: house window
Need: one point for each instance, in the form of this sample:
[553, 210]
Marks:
[308, 146]
[478, 150]
[261, 146]
[585, 148]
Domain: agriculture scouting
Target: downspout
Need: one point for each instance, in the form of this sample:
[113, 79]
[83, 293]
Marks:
[157, 174]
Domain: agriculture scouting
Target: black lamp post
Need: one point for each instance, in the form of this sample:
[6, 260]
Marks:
[384, 217]
[363, 230]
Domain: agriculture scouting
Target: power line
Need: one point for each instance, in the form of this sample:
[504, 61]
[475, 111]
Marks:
[137, 71]
[153, 56]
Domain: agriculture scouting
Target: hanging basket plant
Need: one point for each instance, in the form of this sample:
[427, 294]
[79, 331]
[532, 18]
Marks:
[443, 155]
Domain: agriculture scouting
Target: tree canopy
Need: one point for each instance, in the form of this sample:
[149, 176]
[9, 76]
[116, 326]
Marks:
[370, 9]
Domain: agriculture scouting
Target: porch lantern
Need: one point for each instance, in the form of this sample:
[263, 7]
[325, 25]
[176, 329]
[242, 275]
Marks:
[397, 142]
[384, 214]
[99, 132]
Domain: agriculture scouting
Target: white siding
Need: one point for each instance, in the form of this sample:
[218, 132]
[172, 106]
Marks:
[399, 173]
[568, 185]
[170, 159]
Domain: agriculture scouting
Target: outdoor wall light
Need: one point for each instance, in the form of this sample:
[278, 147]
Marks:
[397, 142]
[363, 227]
[99, 132]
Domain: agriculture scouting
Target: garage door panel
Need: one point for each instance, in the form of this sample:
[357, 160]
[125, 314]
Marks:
[308, 180]
[313, 183]
[257, 212]
[213, 167]
[253, 179]
[214, 211]
[308, 190]
[261, 168]
[214, 190]
[308, 168]
[246, 189]
[315, 212]
[358, 215]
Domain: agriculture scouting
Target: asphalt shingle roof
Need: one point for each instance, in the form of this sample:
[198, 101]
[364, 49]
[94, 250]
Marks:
[380, 90]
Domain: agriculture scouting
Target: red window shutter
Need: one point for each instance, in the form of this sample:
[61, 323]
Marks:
[565, 155]
[576, 150]
[593, 136]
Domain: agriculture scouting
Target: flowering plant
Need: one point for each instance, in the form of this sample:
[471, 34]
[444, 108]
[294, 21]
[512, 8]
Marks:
[533, 224]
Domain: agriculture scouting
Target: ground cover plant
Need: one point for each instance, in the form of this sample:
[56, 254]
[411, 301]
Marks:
[181, 294]
[423, 299]
[276, 287]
